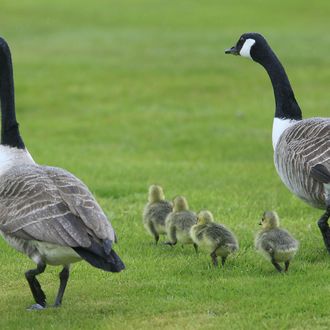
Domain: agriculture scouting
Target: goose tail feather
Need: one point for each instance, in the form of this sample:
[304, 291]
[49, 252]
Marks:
[101, 257]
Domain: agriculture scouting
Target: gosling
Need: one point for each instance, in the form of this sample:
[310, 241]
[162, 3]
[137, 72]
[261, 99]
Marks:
[214, 237]
[179, 222]
[274, 243]
[155, 212]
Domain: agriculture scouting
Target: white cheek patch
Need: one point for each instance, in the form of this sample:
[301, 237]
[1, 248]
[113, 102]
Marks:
[245, 50]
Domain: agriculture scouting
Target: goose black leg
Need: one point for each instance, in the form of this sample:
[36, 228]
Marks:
[38, 295]
[64, 276]
[214, 258]
[154, 232]
[223, 260]
[287, 263]
[276, 265]
[324, 228]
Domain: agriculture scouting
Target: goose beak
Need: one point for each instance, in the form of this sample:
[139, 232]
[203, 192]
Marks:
[233, 50]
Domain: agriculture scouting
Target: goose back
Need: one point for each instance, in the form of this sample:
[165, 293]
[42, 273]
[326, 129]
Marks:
[300, 147]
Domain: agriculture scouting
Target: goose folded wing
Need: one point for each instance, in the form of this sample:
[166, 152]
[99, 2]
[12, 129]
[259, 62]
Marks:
[51, 205]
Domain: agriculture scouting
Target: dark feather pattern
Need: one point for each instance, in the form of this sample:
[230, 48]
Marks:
[51, 205]
[299, 149]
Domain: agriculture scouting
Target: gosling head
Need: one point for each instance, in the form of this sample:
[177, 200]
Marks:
[156, 194]
[204, 217]
[270, 220]
[180, 204]
[250, 45]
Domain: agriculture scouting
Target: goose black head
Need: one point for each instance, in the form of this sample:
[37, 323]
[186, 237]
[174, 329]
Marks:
[250, 45]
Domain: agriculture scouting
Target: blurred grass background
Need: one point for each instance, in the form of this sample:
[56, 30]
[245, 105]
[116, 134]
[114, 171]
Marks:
[128, 93]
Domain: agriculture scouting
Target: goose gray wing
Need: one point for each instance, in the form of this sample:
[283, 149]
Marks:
[300, 148]
[51, 205]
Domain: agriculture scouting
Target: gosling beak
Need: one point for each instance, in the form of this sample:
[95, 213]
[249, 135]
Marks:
[233, 50]
[260, 223]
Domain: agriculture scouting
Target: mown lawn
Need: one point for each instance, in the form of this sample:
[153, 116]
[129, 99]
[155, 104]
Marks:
[129, 93]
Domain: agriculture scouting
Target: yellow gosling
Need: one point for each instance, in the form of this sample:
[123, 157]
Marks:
[213, 237]
[155, 212]
[275, 244]
[179, 222]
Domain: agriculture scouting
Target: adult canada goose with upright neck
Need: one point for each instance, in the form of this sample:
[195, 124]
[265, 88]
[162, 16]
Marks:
[46, 212]
[301, 146]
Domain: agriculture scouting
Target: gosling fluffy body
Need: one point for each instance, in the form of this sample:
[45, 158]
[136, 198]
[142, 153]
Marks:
[276, 244]
[155, 212]
[213, 237]
[179, 222]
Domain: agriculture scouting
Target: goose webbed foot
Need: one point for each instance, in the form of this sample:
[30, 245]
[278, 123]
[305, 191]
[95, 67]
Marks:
[38, 295]
[324, 228]
[36, 307]
[170, 243]
[64, 276]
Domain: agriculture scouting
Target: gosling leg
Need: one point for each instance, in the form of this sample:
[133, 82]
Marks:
[196, 248]
[287, 263]
[214, 259]
[324, 228]
[223, 261]
[38, 295]
[276, 264]
[154, 232]
[64, 276]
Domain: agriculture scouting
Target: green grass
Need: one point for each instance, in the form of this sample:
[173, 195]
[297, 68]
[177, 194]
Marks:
[129, 93]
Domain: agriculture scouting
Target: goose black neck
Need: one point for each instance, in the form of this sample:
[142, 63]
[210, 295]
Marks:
[9, 127]
[286, 105]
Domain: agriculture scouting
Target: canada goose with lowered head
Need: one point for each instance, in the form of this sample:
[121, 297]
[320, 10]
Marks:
[274, 243]
[46, 212]
[155, 212]
[301, 147]
[215, 238]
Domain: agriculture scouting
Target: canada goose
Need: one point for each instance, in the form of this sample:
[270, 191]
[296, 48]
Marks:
[215, 238]
[46, 212]
[301, 147]
[274, 243]
[155, 212]
[179, 222]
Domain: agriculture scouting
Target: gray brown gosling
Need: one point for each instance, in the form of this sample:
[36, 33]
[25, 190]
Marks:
[155, 212]
[276, 244]
[214, 237]
[179, 222]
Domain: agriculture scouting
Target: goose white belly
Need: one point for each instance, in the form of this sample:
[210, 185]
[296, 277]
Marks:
[51, 254]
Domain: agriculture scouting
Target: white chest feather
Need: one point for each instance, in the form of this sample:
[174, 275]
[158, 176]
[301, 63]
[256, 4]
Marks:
[279, 126]
[10, 157]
